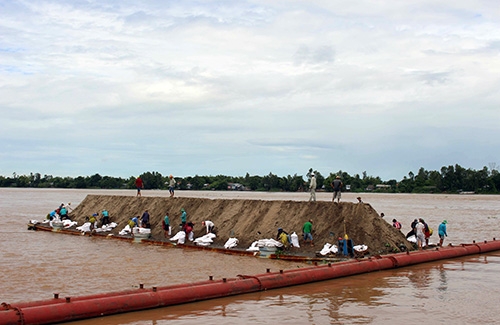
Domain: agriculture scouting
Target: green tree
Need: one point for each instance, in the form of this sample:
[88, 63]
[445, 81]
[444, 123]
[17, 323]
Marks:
[152, 180]
[94, 181]
[80, 182]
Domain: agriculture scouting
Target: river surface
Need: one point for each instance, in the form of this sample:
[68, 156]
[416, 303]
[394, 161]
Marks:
[35, 265]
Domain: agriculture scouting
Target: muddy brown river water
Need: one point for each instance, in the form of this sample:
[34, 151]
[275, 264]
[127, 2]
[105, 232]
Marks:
[34, 265]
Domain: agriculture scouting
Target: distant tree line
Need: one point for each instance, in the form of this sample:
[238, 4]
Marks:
[451, 179]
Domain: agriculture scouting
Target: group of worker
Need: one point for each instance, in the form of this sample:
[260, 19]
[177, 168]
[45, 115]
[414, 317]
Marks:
[288, 241]
[336, 185]
[94, 219]
[185, 225]
[422, 232]
[61, 213]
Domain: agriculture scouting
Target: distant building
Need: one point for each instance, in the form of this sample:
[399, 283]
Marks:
[235, 187]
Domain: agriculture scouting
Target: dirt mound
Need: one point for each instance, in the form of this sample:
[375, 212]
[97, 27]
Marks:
[250, 220]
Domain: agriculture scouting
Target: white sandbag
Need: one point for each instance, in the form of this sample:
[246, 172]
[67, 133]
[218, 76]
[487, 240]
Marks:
[105, 228]
[205, 240]
[413, 239]
[68, 223]
[360, 248]
[326, 249]
[269, 243]
[139, 230]
[334, 249]
[84, 228]
[180, 237]
[109, 226]
[230, 243]
[125, 231]
[253, 247]
[295, 240]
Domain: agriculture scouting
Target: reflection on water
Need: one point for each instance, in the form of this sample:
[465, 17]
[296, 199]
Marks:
[419, 278]
[443, 281]
[37, 264]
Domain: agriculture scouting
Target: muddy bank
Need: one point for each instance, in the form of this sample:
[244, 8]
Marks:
[250, 220]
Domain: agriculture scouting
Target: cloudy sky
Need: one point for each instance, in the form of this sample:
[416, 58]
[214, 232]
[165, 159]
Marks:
[229, 87]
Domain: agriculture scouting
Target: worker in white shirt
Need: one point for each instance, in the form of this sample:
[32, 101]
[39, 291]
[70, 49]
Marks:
[209, 225]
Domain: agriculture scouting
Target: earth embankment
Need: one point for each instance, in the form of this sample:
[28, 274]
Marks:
[250, 220]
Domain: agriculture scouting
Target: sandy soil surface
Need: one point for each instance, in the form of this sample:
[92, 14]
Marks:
[250, 219]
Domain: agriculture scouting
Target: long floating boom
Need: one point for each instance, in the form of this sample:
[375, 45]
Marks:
[67, 309]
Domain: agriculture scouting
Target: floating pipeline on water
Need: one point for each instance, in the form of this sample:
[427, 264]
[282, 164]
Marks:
[67, 309]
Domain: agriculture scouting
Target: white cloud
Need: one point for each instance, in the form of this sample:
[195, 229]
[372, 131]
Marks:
[222, 87]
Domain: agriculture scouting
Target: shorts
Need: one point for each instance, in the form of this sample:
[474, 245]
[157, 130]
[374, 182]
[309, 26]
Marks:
[441, 236]
[420, 237]
[170, 189]
[308, 236]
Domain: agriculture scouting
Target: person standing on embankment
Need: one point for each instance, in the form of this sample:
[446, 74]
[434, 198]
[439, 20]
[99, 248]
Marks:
[139, 185]
[171, 185]
[337, 188]
[312, 188]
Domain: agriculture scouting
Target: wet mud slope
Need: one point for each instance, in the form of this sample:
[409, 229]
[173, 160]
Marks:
[250, 220]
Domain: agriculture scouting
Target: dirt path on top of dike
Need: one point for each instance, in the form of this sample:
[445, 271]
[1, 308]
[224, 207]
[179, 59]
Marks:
[253, 219]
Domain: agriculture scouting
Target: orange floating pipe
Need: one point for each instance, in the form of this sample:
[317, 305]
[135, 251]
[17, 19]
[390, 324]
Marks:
[71, 309]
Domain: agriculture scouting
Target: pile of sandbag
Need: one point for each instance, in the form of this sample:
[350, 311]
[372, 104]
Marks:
[205, 240]
[329, 249]
[108, 227]
[84, 228]
[256, 245]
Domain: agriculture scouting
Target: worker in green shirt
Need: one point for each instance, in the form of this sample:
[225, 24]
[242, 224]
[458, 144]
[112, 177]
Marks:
[307, 232]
